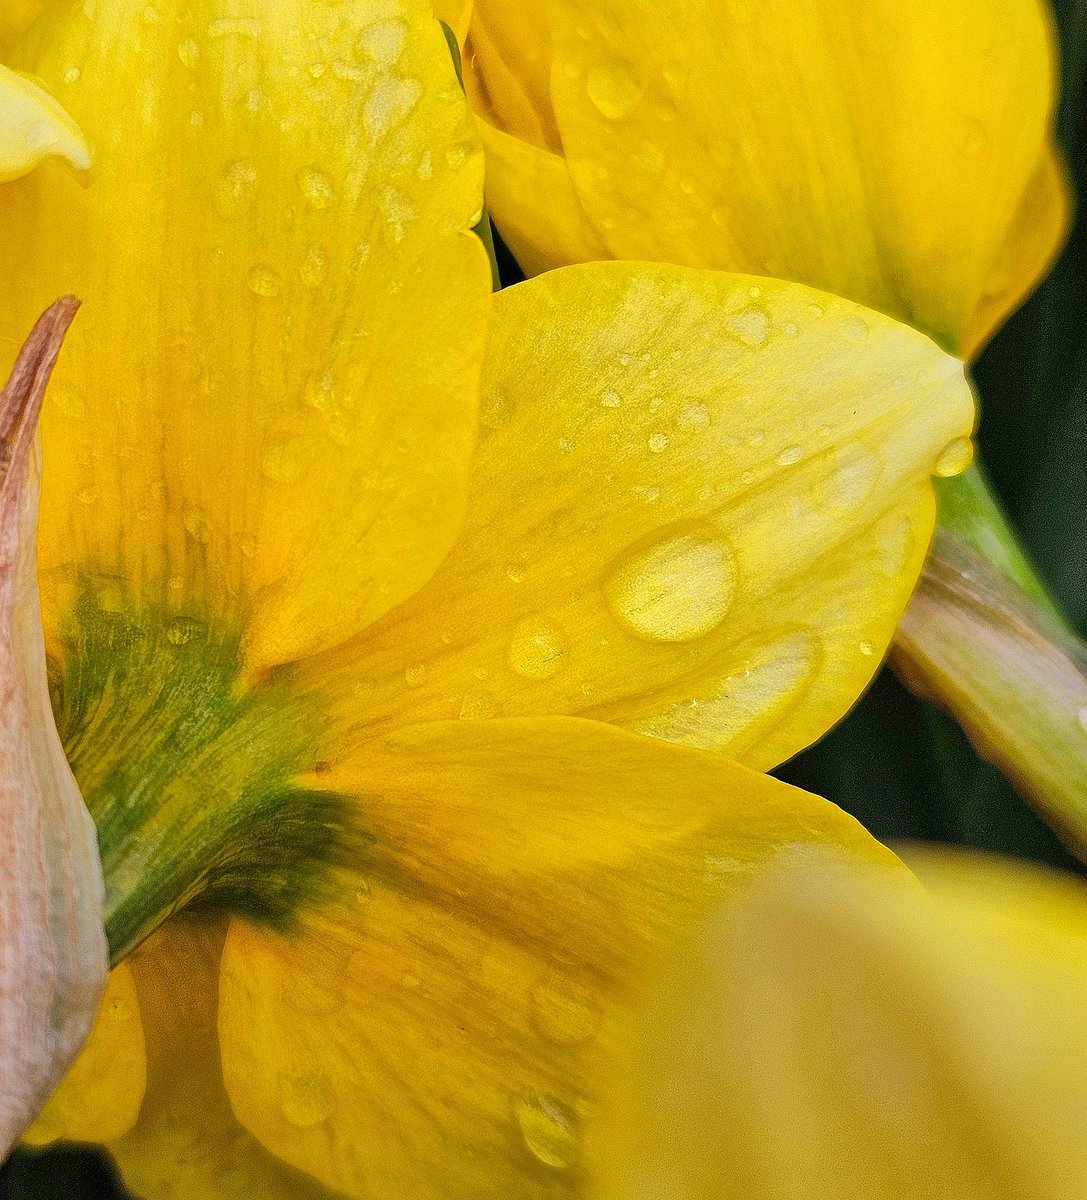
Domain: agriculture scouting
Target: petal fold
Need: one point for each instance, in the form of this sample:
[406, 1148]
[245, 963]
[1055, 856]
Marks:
[33, 128]
[698, 509]
[437, 1029]
[275, 390]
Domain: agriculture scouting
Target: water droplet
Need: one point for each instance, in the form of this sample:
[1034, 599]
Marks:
[389, 103]
[751, 326]
[189, 53]
[790, 456]
[855, 330]
[184, 630]
[236, 188]
[415, 675]
[852, 478]
[695, 418]
[515, 572]
[478, 706]
[658, 442]
[676, 589]
[316, 187]
[614, 89]
[363, 892]
[955, 457]
[264, 280]
[867, 649]
[89, 494]
[456, 156]
[383, 42]
[563, 1011]
[72, 74]
[314, 266]
[305, 1098]
[537, 649]
[548, 1129]
[611, 399]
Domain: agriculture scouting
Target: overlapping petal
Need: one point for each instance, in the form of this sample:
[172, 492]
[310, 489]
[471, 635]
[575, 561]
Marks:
[877, 150]
[268, 413]
[437, 1030]
[835, 1034]
[698, 509]
[33, 128]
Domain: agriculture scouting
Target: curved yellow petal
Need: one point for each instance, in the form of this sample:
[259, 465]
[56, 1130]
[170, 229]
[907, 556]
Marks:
[438, 1029]
[274, 386]
[187, 1144]
[875, 149]
[33, 128]
[100, 1097]
[698, 509]
[456, 14]
[1037, 233]
[838, 1035]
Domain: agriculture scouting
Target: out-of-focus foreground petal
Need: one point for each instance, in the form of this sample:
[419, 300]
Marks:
[267, 417]
[875, 149]
[438, 1028]
[53, 958]
[33, 128]
[840, 1035]
[698, 508]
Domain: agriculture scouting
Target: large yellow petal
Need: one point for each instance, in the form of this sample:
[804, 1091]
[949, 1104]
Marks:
[438, 1030]
[268, 408]
[187, 1144]
[15, 16]
[876, 149]
[100, 1097]
[839, 1036]
[698, 510]
[33, 128]
[456, 14]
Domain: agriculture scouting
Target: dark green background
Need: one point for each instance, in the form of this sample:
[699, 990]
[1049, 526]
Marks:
[900, 766]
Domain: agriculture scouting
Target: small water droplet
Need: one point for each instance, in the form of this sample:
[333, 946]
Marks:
[790, 456]
[695, 418]
[89, 494]
[314, 266]
[363, 892]
[658, 442]
[548, 1128]
[955, 457]
[72, 74]
[264, 280]
[415, 675]
[236, 188]
[537, 649]
[189, 53]
[855, 330]
[316, 187]
[676, 589]
[852, 478]
[563, 1011]
[867, 649]
[305, 1098]
[390, 103]
[751, 326]
[478, 706]
[611, 399]
[456, 156]
[614, 89]
[515, 572]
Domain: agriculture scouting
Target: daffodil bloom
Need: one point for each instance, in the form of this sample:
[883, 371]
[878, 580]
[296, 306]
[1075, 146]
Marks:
[833, 1033]
[413, 648]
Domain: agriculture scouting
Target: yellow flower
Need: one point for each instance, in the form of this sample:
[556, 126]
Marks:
[835, 1034]
[899, 154]
[361, 588]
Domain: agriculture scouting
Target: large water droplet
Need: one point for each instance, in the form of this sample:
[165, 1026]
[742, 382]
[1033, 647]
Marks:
[537, 649]
[305, 1097]
[563, 1011]
[751, 326]
[955, 457]
[677, 588]
[854, 472]
[549, 1130]
[236, 188]
[389, 103]
[189, 52]
[316, 187]
[614, 89]
[264, 280]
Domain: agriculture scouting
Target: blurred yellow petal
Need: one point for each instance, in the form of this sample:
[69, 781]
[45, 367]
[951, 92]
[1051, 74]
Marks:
[33, 128]
[698, 509]
[875, 149]
[100, 1097]
[1033, 242]
[456, 14]
[839, 1035]
[274, 389]
[187, 1144]
[15, 16]
[437, 1030]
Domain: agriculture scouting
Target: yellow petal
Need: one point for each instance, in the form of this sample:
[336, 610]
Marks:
[33, 128]
[100, 1097]
[838, 1035]
[274, 389]
[698, 509]
[456, 14]
[437, 1030]
[1036, 235]
[875, 149]
[15, 16]
[187, 1144]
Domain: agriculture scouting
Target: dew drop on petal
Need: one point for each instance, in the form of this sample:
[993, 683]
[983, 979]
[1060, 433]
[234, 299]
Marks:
[751, 326]
[316, 187]
[676, 589]
[657, 443]
[614, 90]
[415, 675]
[236, 188]
[695, 418]
[264, 280]
[955, 457]
[790, 456]
[305, 1098]
[537, 649]
[548, 1129]
[854, 329]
